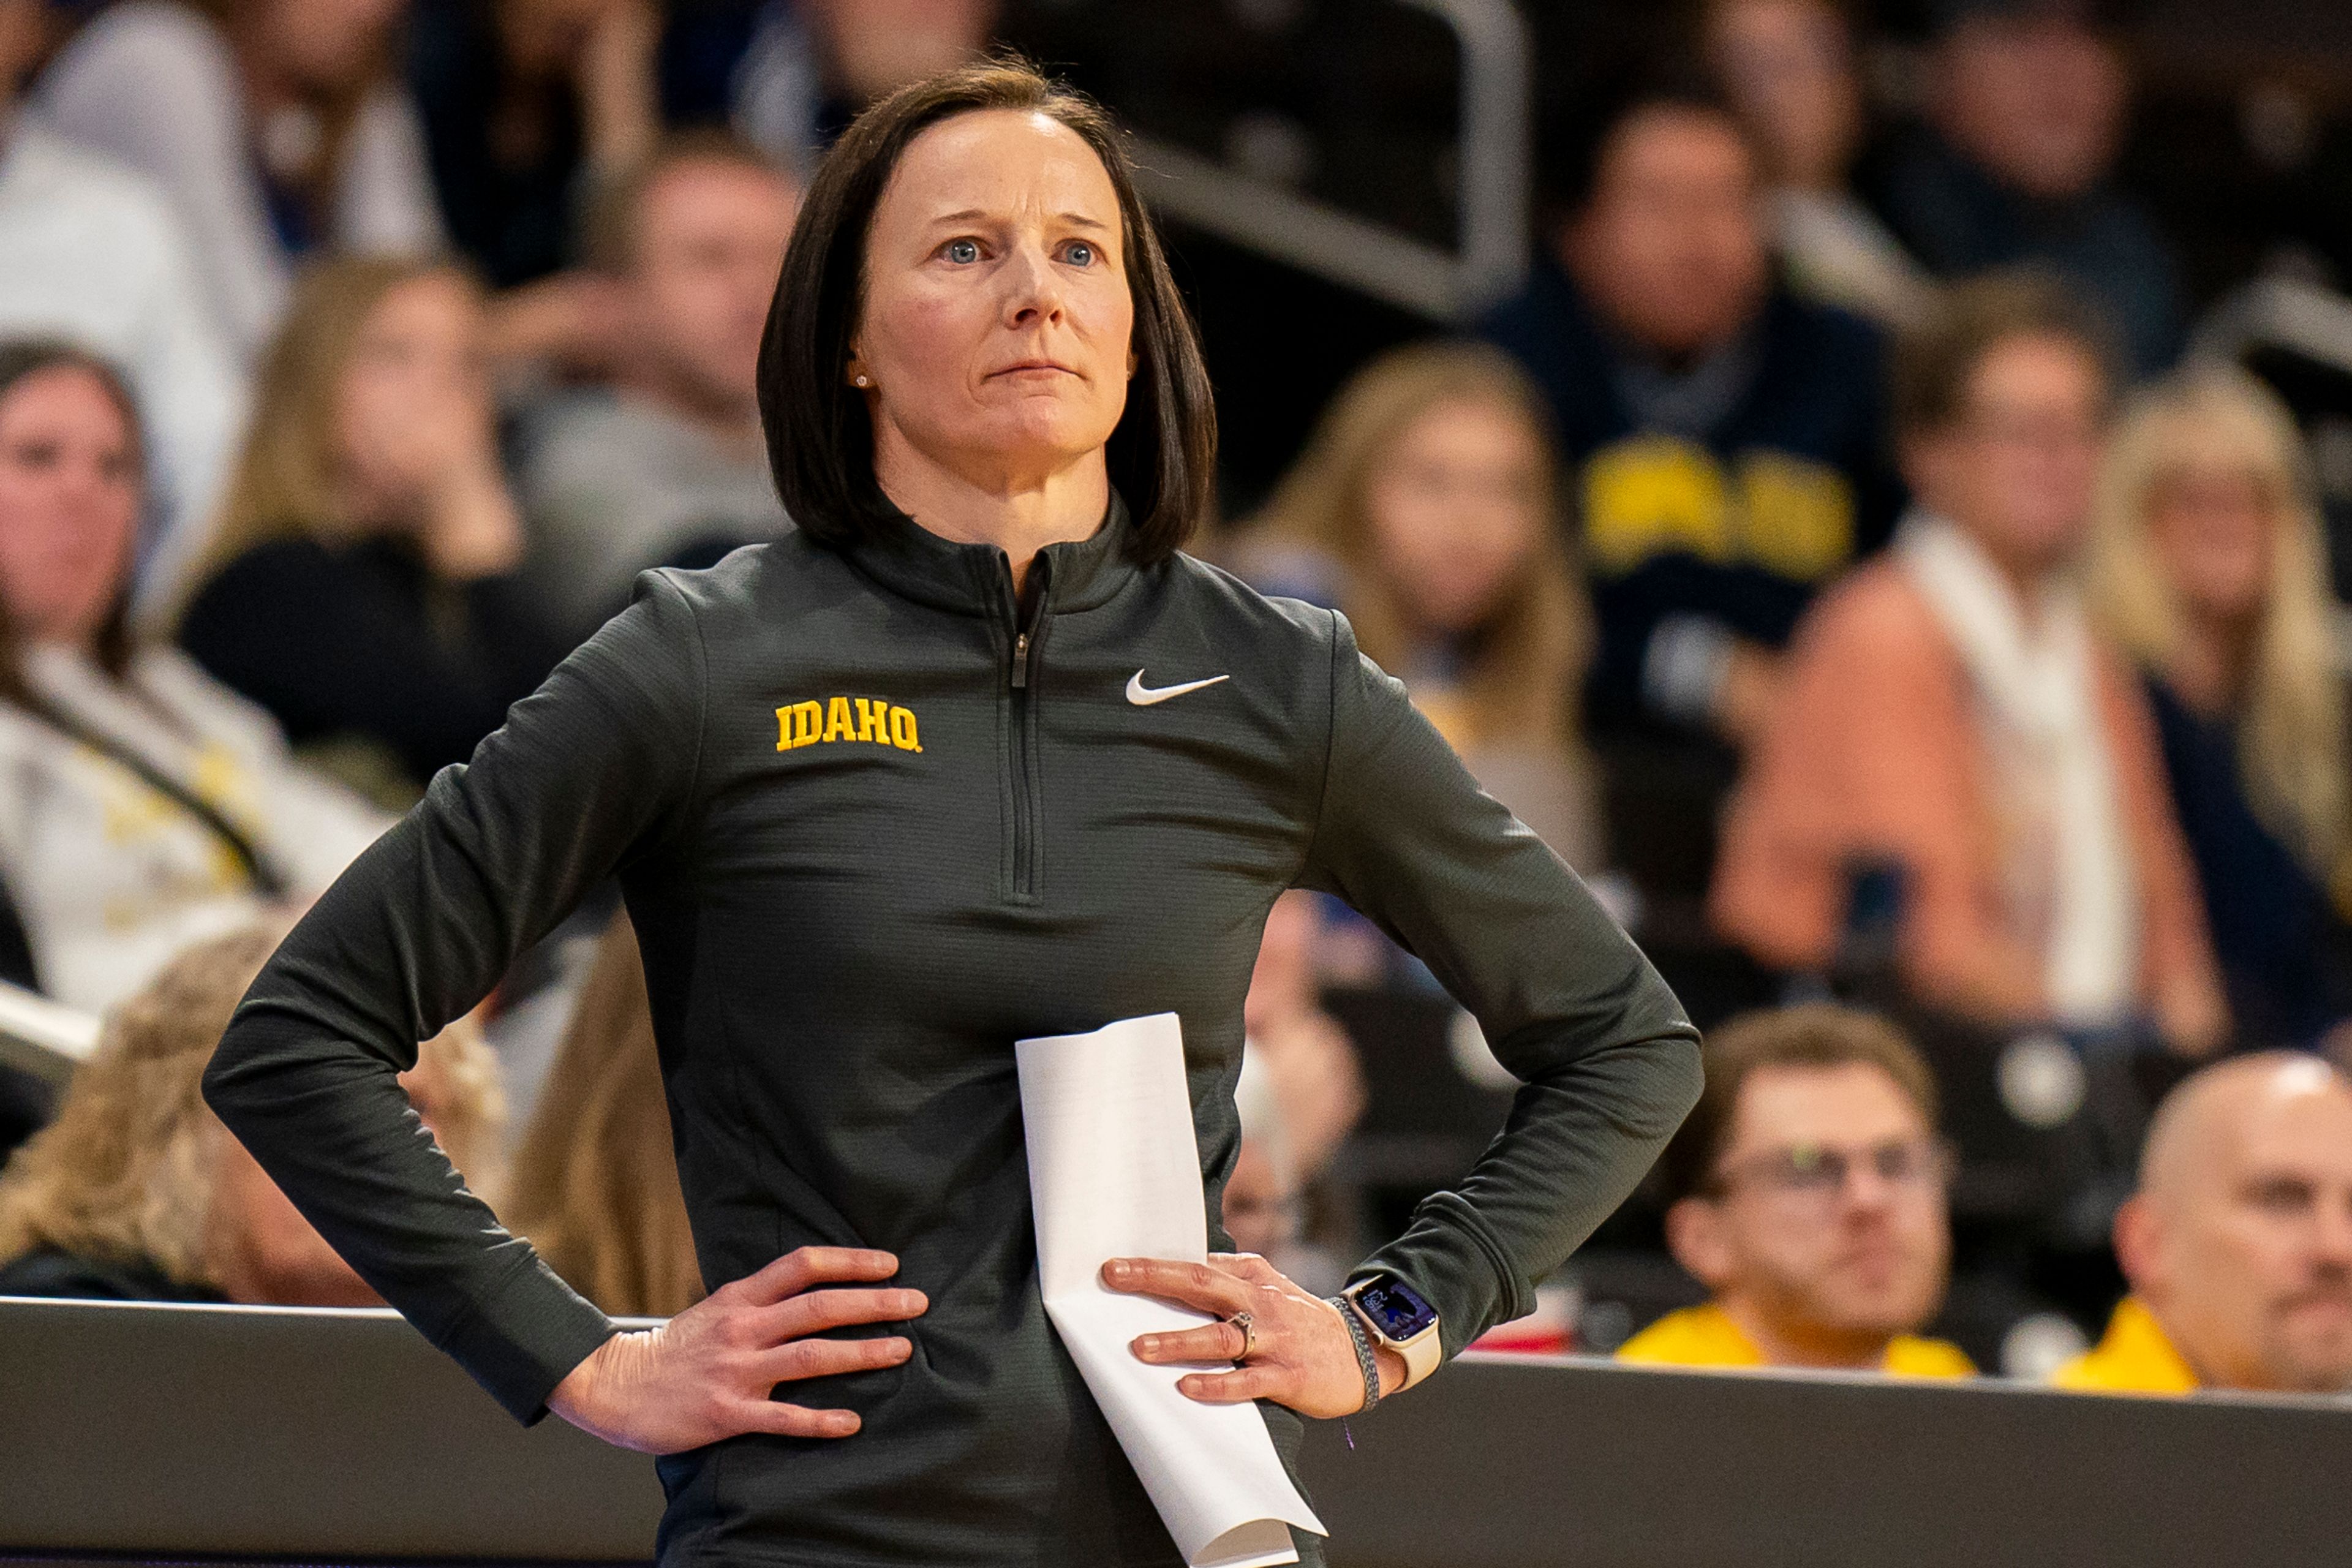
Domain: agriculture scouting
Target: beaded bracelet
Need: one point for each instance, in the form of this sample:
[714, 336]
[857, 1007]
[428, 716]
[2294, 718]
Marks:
[1364, 1358]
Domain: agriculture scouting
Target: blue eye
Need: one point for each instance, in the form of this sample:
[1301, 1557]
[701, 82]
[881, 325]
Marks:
[962, 251]
[1080, 253]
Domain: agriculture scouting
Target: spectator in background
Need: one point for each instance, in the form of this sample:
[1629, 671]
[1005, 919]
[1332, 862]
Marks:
[1298, 1096]
[1308, 1060]
[277, 127]
[138, 1193]
[141, 807]
[1951, 713]
[1788, 67]
[1262, 1192]
[1807, 1192]
[90, 251]
[1426, 506]
[2208, 568]
[667, 465]
[811, 65]
[526, 104]
[363, 587]
[595, 1183]
[529, 106]
[1724, 441]
[2025, 113]
[2239, 1243]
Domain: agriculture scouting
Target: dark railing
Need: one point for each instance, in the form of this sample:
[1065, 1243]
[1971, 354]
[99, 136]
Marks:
[138, 1432]
[1194, 78]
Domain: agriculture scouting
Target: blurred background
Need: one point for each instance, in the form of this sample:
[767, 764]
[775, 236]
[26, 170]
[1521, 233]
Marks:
[1607, 362]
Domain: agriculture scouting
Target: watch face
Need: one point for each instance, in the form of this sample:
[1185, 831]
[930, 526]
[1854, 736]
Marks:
[1397, 1308]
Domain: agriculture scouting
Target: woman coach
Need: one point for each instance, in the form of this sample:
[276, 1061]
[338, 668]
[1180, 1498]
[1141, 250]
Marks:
[975, 755]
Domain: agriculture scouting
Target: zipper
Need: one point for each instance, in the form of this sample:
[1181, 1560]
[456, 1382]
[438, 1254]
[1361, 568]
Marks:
[1022, 787]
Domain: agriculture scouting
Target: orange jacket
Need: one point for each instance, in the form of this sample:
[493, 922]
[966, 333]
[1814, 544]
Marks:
[1875, 755]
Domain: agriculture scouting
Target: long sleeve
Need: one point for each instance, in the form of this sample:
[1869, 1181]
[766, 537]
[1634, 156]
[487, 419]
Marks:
[337, 643]
[2181, 981]
[155, 85]
[593, 771]
[1608, 1064]
[194, 392]
[1872, 756]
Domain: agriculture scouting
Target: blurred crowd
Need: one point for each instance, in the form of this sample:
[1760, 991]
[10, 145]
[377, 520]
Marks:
[1830, 552]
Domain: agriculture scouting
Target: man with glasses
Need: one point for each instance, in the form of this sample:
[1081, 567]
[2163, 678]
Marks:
[2239, 1242]
[1951, 711]
[1808, 1196]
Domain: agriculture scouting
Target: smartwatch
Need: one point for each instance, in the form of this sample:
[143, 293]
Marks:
[1400, 1317]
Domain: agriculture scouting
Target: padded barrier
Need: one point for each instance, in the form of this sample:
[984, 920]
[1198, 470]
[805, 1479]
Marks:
[341, 1437]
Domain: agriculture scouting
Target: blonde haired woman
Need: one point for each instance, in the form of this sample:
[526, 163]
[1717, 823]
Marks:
[596, 1182]
[1426, 509]
[137, 1192]
[361, 585]
[2206, 566]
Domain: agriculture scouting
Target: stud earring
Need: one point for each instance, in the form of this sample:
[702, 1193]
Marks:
[863, 382]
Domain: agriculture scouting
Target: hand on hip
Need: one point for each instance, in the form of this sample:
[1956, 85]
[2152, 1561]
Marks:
[712, 1370]
[1295, 1350]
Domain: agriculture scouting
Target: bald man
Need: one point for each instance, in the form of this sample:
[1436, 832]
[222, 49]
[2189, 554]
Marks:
[2239, 1243]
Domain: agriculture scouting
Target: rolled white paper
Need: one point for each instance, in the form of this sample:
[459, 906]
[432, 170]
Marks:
[1115, 1172]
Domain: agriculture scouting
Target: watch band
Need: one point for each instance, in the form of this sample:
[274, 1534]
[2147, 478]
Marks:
[1365, 1360]
[1422, 1354]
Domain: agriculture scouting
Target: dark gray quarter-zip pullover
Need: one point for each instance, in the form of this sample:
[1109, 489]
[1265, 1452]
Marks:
[873, 828]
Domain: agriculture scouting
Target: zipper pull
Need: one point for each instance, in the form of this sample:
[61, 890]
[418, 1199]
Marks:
[1021, 659]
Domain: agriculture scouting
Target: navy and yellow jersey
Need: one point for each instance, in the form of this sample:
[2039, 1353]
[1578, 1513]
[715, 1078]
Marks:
[1733, 526]
[871, 832]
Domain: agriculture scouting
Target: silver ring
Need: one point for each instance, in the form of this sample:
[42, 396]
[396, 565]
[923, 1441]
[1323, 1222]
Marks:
[1248, 1326]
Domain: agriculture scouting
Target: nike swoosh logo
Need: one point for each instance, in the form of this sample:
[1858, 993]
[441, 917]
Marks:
[1143, 696]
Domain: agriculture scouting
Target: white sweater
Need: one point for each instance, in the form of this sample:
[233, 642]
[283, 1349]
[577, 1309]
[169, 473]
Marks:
[112, 877]
[156, 85]
[90, 251]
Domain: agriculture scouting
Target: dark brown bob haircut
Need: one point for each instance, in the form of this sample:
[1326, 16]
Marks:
[1815, 1035]
[1162, 457]
[1936, 361]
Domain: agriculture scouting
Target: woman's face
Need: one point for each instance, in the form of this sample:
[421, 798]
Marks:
[2214, 530]
[1456, 507]
[69, 491]
[413, 405]
[997, 317]
[259, 1249]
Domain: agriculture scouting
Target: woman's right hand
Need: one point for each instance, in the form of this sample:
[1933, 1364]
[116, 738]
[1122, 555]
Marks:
[709, 1372]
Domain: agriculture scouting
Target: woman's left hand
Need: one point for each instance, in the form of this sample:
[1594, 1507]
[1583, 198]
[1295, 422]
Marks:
[1299, 1351]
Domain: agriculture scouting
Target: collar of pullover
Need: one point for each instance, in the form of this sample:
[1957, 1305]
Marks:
[910, 561]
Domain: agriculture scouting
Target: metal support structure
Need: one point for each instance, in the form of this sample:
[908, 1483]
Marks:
[2278, 313]
[1316, 237]
[38, 1037]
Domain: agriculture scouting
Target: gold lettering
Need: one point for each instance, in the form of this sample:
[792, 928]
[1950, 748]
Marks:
[1800, 520]
[806, 716]
[903, 733]
[873, 720]
[837, 726]
[783, 729]
[1655, 495]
